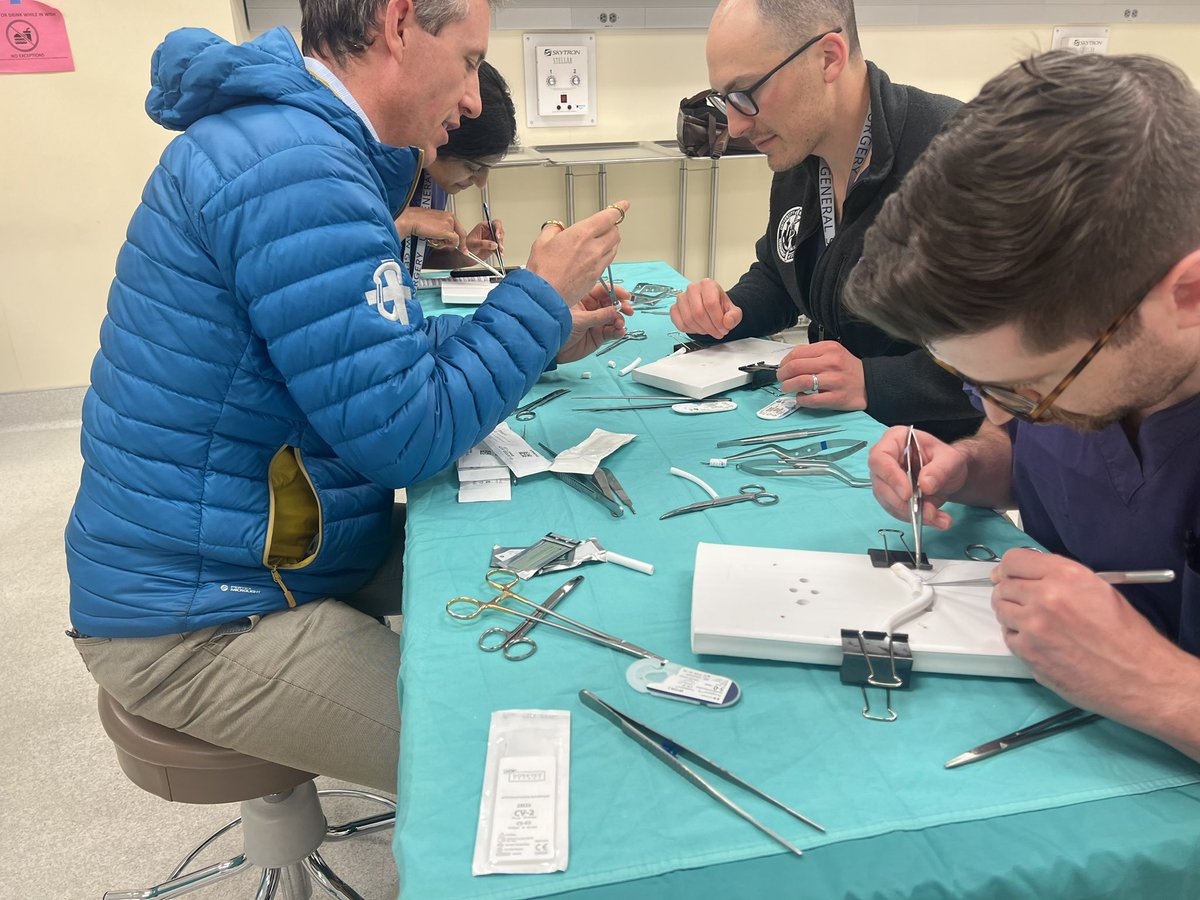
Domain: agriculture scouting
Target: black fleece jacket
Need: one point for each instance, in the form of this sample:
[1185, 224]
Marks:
[904, 385]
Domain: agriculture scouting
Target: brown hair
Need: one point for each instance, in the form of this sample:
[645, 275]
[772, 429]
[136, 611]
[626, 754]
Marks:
[1062, 193]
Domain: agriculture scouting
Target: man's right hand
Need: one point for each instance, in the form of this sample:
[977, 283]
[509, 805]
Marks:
[943, 474]
[439, 227]
[705, 308]
[571, 259]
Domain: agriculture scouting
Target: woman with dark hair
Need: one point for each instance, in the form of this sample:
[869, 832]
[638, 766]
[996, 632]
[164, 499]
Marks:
[432, 235]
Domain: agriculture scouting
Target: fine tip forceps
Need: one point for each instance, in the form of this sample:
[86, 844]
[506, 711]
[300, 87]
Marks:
[913, 462]
[793, 435]
[753, 493]
[503, 581]
[487, 217]
[1056, 724]
[674, 755]
[815, 467]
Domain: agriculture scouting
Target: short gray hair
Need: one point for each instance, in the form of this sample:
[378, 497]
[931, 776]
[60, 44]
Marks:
[343, 28]
[798, 20]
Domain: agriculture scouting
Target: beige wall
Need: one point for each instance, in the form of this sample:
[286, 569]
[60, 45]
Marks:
[76, 148]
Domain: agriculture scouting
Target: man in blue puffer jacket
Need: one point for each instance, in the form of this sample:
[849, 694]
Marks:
[265, 380]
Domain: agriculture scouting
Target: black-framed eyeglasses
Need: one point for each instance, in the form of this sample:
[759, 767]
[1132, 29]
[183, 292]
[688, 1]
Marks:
[1029, 410]
[743, 101]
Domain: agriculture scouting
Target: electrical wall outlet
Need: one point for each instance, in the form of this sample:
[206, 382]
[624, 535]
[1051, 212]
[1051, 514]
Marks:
[560, 79]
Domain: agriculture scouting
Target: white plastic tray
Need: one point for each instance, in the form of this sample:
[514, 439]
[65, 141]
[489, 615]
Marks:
[702, 373]
[792, 604]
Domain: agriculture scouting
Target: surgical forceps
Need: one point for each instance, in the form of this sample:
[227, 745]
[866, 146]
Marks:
[517, 637]
[913, 462]
[818, 451]
[627, 336]
[673, 754]
[795, 434]
[754, 493]
[504, 579]
[526, 413]
[815, 467]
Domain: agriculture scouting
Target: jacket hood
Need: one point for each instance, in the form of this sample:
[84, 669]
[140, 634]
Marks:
[195, 73]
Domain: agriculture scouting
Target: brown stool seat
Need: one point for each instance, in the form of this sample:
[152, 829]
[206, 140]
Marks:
[185, 769]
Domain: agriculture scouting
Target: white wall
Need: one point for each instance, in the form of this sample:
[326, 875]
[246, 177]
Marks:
[75, 150]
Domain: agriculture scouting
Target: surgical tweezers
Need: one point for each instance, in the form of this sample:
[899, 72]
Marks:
[815, 467]
[794, 435]
[914, 461]
[673, 754]
[819, 451]
[597, 486]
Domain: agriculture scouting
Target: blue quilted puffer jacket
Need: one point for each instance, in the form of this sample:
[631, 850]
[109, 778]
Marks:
[257, 396]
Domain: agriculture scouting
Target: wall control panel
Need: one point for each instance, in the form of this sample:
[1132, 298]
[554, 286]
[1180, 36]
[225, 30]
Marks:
[562, 74]
[560, 79]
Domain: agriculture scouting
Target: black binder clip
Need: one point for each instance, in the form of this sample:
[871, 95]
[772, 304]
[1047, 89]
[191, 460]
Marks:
[876, 659]
[761, 373]
[886, 558]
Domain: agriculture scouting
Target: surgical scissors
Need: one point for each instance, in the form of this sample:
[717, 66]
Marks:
[494, 577]
[1056, 724]
[526, 413]
[984, 553]
[517, 637]
[754, 493]
[627, 336]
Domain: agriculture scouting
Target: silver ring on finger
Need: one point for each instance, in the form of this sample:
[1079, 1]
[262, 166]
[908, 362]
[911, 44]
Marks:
[816, 387]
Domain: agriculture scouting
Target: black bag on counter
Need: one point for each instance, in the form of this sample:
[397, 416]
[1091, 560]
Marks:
[703, 130]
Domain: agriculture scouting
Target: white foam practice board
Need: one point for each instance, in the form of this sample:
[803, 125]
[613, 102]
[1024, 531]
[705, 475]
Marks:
[457, 291]
[792, 604]
[714, 369]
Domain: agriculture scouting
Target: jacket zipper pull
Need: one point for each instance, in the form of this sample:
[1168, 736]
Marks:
[279, 581]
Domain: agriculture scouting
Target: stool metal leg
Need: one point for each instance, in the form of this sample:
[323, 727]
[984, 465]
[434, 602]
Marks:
[193, 881]
[328, 880]
[365, 825]
[268, 887]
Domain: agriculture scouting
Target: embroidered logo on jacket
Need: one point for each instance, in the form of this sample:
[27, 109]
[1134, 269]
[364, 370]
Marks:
[390, 292]
[785, 236]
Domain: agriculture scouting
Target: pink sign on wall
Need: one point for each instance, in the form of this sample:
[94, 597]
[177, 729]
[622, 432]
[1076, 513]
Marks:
[33, 38]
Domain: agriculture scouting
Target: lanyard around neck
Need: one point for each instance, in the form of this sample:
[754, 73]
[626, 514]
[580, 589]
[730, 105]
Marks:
[825, 181]
[417, 244]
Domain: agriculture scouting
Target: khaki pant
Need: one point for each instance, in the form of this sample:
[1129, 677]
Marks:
[313, 687]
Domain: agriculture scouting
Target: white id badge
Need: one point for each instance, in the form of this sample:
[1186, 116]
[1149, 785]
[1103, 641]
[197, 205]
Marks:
[524, 808]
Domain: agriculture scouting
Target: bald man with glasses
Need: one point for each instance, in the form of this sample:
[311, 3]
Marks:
[839, 136]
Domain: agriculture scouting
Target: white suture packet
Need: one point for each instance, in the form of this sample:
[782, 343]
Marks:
[585, 458]
[514, 452]
[524, 809]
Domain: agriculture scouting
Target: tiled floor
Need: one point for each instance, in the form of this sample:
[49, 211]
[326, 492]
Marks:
[73, 825]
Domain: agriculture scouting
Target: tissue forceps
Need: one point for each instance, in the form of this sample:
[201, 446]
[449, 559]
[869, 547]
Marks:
[673, 754]
[755, 493]
[517, 637]
[794, 434]
[1056, 724]
[815, 467]
[627, 336]
[913, 462]
[504, 579]
[818, 451]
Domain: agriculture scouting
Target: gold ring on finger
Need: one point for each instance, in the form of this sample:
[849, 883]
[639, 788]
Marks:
[554, 222]
[620, 212]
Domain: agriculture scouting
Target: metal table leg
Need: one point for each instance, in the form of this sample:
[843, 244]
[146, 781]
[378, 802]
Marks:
[683, 187]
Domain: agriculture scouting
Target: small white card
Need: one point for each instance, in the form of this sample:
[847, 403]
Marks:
[523, 812]
[692, 684]
[485, 491]
[514, 452]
